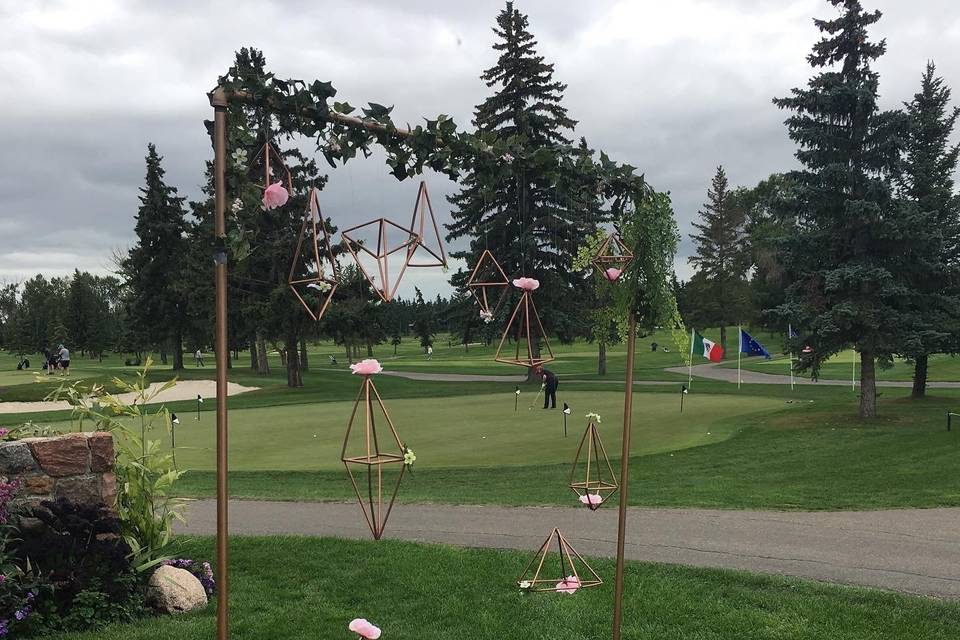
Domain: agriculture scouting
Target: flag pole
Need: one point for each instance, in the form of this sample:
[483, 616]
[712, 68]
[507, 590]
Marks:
[790, 352]
[739, 351]
[690, 361]
[853, 376]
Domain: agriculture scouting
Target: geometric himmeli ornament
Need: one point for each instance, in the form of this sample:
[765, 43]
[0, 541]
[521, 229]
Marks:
[373, 456]
[381, 249]
[569, 578]
[612, 257]
[593, 480]
[313, 269]
[268, 167]
[526, 331]
[488, 283]
[429, 235]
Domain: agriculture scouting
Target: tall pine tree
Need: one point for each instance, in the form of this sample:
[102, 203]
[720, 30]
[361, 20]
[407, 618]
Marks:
[153, 267]
[531, 229]
[721, 257]
[844, 260]
[927, 181]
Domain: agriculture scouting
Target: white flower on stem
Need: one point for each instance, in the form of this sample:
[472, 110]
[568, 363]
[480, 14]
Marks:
[595, 417]
[321, 286]
[237, 205]
[525, 584]
[507, 157]
[239, 156]
[409, 457]
[486, 316]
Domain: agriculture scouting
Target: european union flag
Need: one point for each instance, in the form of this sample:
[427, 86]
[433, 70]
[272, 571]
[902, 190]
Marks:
[751, 347]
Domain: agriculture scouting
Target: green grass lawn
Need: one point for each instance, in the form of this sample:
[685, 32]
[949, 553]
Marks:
[286, 588]
[942, 367]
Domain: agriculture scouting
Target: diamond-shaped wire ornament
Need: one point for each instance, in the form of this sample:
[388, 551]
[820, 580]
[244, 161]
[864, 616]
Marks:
[268, 167]
[585, 576]
[381, 253]
[368, 455]
[526, 330]
[488, 283]
[429, 241]
[314, 273]
[592, 479]
[612, 257]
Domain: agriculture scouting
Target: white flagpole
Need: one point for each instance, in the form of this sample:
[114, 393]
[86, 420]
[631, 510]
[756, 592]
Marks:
[739, 351]
[690, 361]
[790, 347]
[853, 376]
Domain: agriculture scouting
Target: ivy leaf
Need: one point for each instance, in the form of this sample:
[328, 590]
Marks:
[322, 90]
[377, 111]
[343, 107]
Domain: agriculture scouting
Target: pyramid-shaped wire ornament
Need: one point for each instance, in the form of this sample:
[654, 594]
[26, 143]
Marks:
[488, 283]
[381, 252]
[268, 167]
[366, 456]
[428, 234]
[526, 330]
[313, 269]
[569, 558]
[612, 257]
[593, 479]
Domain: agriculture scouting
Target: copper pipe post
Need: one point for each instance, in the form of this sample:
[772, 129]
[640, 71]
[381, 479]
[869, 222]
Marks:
[624, 478]
[218, 100]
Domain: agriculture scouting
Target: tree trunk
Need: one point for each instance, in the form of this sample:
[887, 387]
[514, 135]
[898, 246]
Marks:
[394, 349]
[283, 357]
[163, 356]
[369, 350]
[304, 363]
[229, 359]
[254, 356]
[349, 355]
[723, 337]
[602, 359]
[294, 379]
[535, 348]
[178, 351]
[263, 364]
[920, 377]
[868, 385]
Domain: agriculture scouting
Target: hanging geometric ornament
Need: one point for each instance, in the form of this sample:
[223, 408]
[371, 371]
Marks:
[599, 482]
[429, 235]
[270, 173]
[568, 579]
[377, 241]
[372, 459]
[314, 271]
[612, 257]
[526, 330]
[488, 284]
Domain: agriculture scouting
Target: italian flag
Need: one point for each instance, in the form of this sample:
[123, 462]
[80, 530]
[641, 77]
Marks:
[706, 348]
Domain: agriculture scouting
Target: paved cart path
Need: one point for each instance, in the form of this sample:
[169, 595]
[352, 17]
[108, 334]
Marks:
[714, 371]
[910, 550]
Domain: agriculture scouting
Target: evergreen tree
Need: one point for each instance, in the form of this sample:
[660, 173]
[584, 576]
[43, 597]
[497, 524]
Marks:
[721, 258]
[844, 260]
[154, 266]
[424, 320]
[531, 228]
[927, 181]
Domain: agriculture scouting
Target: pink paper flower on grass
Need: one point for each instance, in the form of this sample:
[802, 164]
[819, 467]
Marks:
[527, 284]
[612, 274]
[366, 367]
[591, 499]
[568, 585]
[364, 629]
[275, 196]
[4, 432]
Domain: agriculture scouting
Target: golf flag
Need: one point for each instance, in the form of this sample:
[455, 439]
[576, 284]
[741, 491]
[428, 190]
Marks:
[706, 348]
[791, 332]
[750, 346]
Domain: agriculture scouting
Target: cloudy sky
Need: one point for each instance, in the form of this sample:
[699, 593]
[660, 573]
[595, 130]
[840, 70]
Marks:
[675, 88]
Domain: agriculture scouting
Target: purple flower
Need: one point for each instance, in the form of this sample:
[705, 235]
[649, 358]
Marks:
[3, 628]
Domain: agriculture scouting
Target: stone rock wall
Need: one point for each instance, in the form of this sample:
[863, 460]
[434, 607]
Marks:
[77, 467]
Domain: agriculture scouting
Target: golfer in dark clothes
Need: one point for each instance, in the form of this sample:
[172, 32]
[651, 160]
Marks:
[550, 384]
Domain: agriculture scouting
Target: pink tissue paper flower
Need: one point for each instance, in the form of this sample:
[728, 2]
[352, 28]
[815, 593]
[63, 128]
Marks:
[275, 196]
[4, 432]
[366, 367]
[364, 629]
[568, 585]
[527, 284]
[612, 274]
[591, 498]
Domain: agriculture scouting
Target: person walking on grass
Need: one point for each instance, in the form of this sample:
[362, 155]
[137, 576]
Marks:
[550, 384]
[198, 358]
[429, 352]
[64, 360]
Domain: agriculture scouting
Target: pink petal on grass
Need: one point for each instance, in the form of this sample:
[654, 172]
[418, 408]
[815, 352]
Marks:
[364, 629]
[527, 284]
[366, 367]
[591, 498]
[568, 585]
[275, 196]
[612, 274]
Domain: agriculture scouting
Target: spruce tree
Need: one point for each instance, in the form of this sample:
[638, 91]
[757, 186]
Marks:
[844, 259]
[153, 267]
[927, 181]
[531, 229]
[721, 258]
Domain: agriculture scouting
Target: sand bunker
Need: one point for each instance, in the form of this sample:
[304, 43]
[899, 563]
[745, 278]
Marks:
[184, 390]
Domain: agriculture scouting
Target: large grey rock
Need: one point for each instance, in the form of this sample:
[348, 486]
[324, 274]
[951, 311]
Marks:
[16, 457]
[173, 590]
